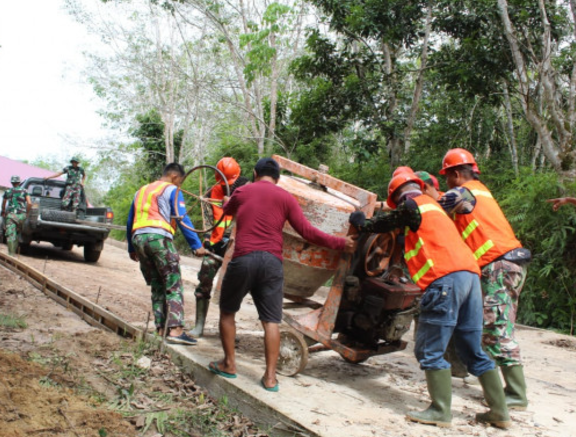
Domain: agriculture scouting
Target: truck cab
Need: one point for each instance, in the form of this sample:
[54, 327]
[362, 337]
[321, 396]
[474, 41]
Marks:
[48, 222]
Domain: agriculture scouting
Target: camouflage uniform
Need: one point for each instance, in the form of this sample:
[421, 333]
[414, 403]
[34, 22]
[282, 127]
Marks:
[73, 193]
[159, 264]
[209, 269]
[15, 212]
[502, 282]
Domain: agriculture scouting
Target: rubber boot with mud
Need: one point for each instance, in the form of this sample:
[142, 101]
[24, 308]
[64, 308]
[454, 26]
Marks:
[201, 312]
[440, 389]
[494, 394]
[515, 390]
[12, 247]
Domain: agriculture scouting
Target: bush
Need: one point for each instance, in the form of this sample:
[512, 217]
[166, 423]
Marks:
[548, 299]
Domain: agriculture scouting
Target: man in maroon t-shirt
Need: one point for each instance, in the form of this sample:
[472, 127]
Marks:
[261, 209]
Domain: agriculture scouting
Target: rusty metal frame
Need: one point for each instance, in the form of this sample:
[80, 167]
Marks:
[319, 324]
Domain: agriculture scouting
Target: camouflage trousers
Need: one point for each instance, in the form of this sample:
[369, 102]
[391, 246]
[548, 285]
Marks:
[160, 266]
[71, 198]
[502, 282]
[206, 276]
[14, 226]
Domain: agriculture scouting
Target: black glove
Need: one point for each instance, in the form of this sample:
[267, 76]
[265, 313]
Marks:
[357, 219]
[238, 183]
[207, 245]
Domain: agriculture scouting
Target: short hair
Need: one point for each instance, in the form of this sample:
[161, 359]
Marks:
[466, 171]
[174, 167]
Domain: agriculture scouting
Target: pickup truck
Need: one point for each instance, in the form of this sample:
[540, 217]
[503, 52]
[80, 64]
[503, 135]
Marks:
[47, 222]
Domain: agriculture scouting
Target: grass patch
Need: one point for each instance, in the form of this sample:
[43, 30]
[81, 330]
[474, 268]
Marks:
[12, 321]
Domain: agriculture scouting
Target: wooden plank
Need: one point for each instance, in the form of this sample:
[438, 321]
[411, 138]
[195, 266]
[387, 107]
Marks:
[93, 314]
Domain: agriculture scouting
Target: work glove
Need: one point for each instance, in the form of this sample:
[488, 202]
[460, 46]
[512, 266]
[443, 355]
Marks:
[357, 219]
[238, 183]
[207, 245]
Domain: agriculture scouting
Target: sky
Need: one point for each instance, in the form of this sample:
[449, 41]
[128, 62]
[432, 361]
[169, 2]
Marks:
[47, 108]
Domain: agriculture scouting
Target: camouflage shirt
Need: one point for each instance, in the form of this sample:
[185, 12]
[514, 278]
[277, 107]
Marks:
[74, 174]
[16, 200]
[459, 200]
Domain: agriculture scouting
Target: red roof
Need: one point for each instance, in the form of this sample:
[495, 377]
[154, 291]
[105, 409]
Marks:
[9, 168]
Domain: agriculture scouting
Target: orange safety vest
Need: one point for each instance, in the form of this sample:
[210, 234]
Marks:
[217, 197]
[146, 212]
[485, 230]
[435, 249]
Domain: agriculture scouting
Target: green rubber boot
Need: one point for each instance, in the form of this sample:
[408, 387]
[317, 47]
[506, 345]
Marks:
[12, 247]
[515, 390]
[494, 395]
[440, 388]
[201, 312]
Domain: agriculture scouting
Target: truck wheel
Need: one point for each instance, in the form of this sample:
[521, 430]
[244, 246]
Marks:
[91, 254]
[52, 215]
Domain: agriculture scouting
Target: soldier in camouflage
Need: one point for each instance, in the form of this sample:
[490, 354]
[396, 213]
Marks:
[150, 230]
[75, 177]
[15, 207]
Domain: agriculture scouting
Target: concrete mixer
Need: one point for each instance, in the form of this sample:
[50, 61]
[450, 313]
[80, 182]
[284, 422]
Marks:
[370, 302]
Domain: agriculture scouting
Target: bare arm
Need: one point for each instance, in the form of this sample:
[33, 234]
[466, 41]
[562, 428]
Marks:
[557, 203]
[54, 175]
[3, 207]
[28, 204]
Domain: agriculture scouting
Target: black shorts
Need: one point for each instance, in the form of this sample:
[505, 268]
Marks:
[259, 273]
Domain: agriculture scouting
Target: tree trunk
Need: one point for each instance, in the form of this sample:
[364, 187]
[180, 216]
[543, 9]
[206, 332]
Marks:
[418, 85]
[510, 128]
[550, 149]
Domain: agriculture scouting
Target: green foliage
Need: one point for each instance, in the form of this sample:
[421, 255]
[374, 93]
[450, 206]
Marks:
[150, 133]
[12, 321]
[549, 297]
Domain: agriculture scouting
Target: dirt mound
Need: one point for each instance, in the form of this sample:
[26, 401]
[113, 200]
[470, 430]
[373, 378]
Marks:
[29, 405]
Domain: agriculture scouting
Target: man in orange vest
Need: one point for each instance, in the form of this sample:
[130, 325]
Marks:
[150, 230]
[502, 259]
[443, 267]
[218, 240]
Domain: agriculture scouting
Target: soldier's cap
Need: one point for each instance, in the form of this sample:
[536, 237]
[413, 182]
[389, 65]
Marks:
[267, 167]
[15, 179]
[75, 159]
[428, 178]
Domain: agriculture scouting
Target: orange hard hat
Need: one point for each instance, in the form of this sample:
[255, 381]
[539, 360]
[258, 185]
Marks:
[402, 169]
[398, 181]
[456, 157]
[230, 168]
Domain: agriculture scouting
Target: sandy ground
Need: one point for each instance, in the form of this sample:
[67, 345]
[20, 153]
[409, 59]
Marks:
[331, 396]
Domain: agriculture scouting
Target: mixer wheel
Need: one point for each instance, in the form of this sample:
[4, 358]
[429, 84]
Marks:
[293, 353]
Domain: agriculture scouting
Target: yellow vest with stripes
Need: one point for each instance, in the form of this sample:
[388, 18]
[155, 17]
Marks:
[146, 211]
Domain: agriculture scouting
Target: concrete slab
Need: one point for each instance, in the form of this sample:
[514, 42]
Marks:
[334, 398]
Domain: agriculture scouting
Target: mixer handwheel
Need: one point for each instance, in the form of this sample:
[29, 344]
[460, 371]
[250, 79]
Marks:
[293, 353]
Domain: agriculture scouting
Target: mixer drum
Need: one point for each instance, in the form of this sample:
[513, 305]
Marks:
[306, 266]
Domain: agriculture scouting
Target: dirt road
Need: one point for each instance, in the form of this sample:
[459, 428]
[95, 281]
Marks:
[330, 396]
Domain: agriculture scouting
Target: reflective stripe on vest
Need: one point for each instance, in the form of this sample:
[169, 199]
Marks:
[216, 199]
[435, 250]
[146, 211]
[485, 230]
